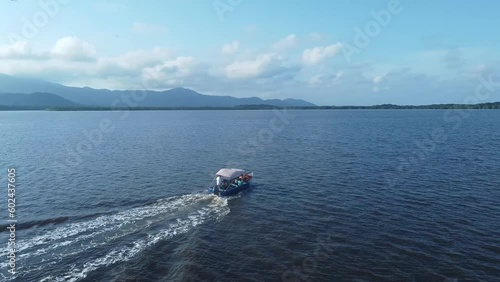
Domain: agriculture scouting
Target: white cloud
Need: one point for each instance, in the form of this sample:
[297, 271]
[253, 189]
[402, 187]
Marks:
[75, 62]
[137, 59]
[73, 48]
[381, 82]
[287, 42]
[18, 49]
[378, 79]
[315, 80]
[230, 48]
[251, 68]
[173, 72]
[150, 29]
[326, 79]
[319, 54]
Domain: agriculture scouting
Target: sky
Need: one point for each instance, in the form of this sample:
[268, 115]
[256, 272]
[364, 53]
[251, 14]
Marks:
[360, 52]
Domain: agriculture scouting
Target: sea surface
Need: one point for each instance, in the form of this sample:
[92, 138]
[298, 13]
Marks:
[342, 195]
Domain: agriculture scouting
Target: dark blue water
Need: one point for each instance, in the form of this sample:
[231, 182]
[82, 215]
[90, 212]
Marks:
[404, 195]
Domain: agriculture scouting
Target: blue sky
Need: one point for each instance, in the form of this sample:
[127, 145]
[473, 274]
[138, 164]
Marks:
[414, 52]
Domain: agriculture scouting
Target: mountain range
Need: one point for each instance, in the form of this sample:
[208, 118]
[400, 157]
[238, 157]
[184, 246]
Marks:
[28, 92]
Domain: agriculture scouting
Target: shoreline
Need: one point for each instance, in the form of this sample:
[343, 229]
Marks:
[485, 106]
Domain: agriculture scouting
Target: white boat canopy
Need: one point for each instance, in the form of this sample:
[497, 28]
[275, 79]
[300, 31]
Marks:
[230, 172]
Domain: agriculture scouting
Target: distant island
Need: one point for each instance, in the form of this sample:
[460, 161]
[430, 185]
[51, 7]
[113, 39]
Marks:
[483, 106]
[21, 94]
[33, 93]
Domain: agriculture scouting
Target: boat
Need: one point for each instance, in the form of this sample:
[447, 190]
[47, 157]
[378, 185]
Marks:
[230, 181]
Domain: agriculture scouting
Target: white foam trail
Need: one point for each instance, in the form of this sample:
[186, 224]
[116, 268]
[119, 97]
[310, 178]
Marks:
[111, 222]
[134, 219]
[216, 210]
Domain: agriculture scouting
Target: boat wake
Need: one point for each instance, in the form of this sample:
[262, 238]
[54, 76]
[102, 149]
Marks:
[85, 246]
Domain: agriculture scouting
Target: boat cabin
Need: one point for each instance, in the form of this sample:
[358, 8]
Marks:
[230, 181]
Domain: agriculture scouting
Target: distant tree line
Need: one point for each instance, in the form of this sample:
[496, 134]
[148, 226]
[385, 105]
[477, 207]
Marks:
[483, 106]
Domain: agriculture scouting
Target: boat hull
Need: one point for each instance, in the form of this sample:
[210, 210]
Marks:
[231, 191]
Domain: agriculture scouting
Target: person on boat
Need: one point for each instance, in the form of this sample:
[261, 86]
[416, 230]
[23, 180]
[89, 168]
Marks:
[219, 181]
[240, 180]
[246, 177]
